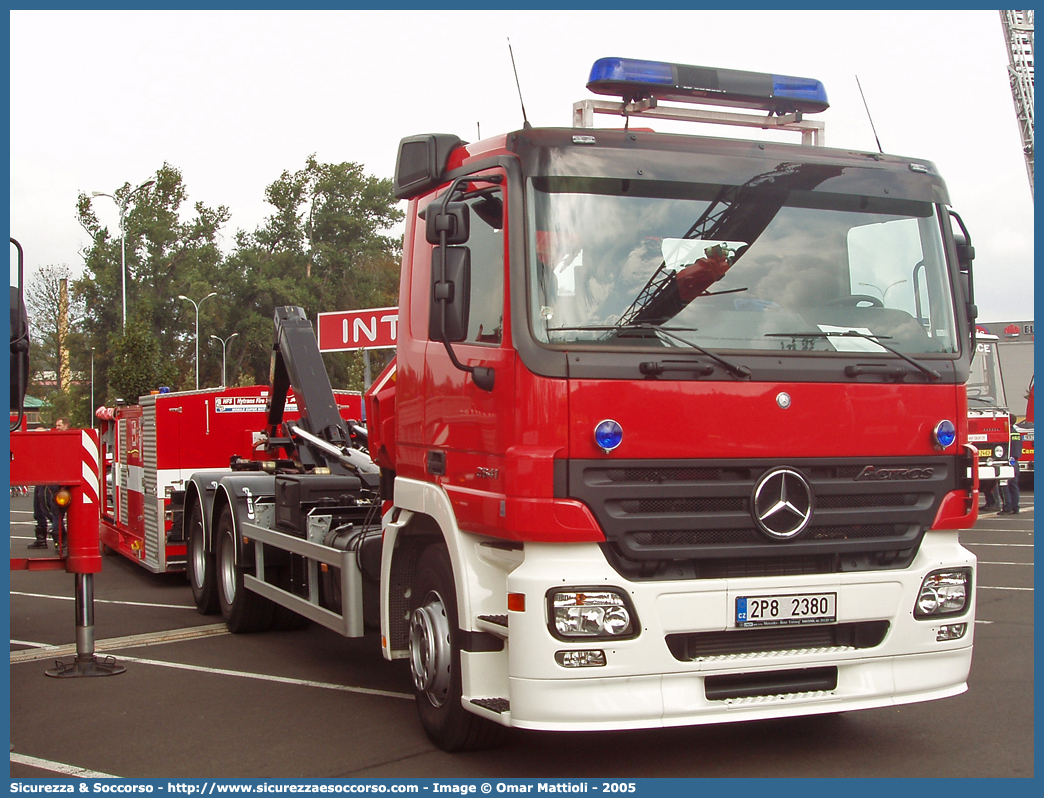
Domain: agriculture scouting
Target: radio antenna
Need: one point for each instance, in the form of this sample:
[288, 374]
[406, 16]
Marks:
[525, 121]
[867, 107]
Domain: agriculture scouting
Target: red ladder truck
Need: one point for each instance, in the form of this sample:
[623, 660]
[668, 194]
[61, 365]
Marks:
[676, 431]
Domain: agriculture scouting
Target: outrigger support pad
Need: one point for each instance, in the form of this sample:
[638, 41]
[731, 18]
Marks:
[85, 663]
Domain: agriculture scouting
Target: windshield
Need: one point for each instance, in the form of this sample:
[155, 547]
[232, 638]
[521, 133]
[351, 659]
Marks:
[985, 386]
[769, 265]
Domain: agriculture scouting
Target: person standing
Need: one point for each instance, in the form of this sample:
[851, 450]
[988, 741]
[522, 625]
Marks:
[1011, 490]
[42, 514]
[57, 514]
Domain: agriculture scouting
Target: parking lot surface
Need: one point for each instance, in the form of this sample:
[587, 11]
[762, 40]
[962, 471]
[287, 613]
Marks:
[197, 702]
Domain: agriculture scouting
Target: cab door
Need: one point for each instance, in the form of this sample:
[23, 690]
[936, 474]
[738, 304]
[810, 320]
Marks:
[467, 429]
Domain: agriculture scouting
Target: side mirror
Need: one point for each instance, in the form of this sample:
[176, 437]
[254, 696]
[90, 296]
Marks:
[450, 295]
[19, 349]
[421, 162]
[454, 219]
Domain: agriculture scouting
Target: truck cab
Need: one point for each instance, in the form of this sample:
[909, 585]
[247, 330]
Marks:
[669, 412]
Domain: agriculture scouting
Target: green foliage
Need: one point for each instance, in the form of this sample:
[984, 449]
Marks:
[139, 364]
[325, 247]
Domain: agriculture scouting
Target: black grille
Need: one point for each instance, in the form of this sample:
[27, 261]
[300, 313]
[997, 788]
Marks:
[697, 645]
[694, 511]
[751, 685]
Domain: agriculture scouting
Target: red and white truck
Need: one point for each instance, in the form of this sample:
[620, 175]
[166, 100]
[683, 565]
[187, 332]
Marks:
[677, 430]
[989, 424]
[1025, 430]
[150, 448]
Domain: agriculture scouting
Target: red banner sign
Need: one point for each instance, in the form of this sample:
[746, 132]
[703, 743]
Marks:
[374, 328]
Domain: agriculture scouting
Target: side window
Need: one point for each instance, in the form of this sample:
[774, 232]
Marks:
[486, 315]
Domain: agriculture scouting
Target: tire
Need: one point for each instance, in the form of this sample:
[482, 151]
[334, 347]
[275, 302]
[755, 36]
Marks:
[200, 566]
[435, 660]
[243, 610]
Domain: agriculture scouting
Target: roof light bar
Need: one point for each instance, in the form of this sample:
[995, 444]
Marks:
[633, 80]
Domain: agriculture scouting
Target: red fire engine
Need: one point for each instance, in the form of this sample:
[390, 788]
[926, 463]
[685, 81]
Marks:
[1025, 429]
[989, 426]
[149, 449]
[676, 432]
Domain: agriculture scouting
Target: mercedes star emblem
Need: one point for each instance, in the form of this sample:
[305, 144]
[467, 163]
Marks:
[782, 505]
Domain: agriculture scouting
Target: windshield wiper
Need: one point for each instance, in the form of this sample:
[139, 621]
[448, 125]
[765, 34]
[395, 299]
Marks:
[731, 368]
[931, 373]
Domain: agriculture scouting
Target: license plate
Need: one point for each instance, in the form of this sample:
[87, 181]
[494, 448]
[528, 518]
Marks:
[789, 610]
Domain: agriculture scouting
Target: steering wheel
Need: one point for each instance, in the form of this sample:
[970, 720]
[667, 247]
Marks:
[855, 299]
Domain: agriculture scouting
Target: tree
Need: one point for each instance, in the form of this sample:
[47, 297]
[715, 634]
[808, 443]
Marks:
[324, 248]
[139, 365]
[165, 257]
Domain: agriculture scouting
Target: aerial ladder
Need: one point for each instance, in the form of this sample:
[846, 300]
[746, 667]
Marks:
[1018, 36]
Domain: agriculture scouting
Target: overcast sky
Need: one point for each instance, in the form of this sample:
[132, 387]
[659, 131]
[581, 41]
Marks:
[233, 99]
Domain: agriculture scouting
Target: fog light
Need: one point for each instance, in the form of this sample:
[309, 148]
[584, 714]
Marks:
[580, 659]
[944, 593]
[590, 614]
[952, 631]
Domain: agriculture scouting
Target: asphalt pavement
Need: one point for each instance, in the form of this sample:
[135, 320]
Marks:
[197, 702]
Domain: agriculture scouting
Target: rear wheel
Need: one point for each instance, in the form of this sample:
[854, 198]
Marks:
[201, 568]
[435, 660]
[242, 609]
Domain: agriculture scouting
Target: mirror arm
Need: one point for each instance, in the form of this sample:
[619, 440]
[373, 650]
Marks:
[482, 376]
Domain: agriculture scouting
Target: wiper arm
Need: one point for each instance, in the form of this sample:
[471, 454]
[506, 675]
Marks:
[931, 373]
[731, 368]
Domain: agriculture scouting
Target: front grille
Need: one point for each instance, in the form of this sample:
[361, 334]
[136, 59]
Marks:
[701, 645]
[871, 512]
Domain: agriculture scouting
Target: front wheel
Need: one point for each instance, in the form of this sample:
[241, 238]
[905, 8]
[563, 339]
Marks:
[242, 609]
[435, 660]
[201, 565]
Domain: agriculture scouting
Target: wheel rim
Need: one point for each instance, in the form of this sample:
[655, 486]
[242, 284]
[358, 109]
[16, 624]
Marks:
[199, 558]
[228, 569]
[430, 649]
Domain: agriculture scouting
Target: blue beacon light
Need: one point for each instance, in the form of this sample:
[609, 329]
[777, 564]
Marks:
[945, 433]
[608, 435]
[633, 79]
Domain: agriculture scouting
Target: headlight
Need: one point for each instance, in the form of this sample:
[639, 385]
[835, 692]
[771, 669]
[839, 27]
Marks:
[585, 614]
[944, 593]
[998, 451]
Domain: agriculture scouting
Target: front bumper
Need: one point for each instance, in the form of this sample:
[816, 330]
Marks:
[644, 685]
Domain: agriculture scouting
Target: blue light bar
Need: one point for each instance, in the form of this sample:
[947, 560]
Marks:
[632, 79]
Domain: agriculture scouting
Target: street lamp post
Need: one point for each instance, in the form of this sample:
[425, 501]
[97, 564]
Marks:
[224, 343]
[196, 305]
[122, 206]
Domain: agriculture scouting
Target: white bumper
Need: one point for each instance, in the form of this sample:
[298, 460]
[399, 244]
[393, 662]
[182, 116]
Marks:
[997, 471]
[643, 685]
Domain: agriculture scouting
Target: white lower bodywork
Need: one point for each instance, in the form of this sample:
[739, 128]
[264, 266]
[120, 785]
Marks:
[642, 684]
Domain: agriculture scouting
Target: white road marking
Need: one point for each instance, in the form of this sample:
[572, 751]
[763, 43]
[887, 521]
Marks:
[1002, 545]
[108, 601]
[43, 651]
[996, 587]
[987, 562]
[265, 677]
[59, 767]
